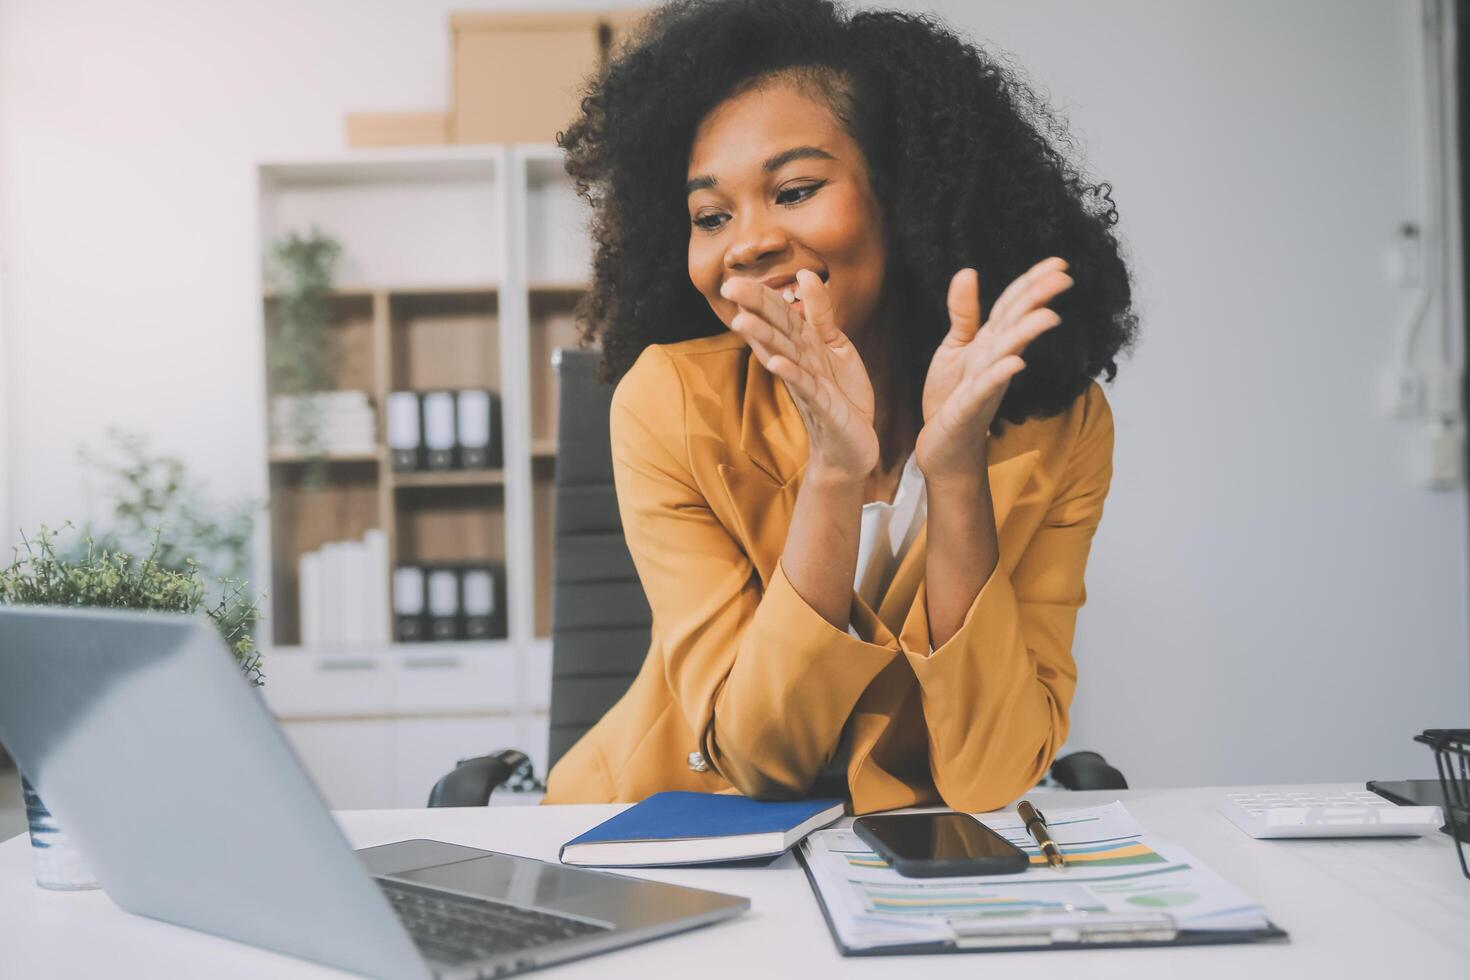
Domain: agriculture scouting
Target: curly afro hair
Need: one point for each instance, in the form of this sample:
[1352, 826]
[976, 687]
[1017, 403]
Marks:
[963, 157]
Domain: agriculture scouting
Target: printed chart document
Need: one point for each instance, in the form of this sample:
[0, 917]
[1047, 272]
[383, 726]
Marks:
[1120, 884]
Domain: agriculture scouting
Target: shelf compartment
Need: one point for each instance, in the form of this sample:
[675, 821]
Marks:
[450, 524]
[558, 246]
[303, 518]
[447, 204]
[444, 341]
[349, 343]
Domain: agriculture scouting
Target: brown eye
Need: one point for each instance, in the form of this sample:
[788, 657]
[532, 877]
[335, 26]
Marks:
[801, 192]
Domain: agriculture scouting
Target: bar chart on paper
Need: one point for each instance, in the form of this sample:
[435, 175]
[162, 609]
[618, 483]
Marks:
[972, 900]
[1083, 849]
[1148, 889]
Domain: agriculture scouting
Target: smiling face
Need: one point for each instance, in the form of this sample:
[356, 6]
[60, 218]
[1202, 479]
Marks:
[777, 184]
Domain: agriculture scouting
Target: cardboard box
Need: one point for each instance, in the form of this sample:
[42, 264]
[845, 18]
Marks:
[365, 129]
[519, 77]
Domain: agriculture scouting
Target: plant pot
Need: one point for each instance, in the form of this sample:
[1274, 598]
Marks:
[59, 863]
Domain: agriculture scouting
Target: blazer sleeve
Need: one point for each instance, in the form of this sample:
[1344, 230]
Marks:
[996, 695]
[764, 682]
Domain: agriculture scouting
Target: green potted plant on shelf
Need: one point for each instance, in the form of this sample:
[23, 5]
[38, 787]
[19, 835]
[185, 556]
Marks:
[41, 575]
[301, 269]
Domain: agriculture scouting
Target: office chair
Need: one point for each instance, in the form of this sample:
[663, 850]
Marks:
[600, 619]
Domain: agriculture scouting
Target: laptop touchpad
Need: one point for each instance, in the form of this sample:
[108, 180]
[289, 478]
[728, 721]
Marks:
[411, 855]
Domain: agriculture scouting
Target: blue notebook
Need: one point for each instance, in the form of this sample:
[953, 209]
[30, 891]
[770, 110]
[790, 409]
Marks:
[698, 828]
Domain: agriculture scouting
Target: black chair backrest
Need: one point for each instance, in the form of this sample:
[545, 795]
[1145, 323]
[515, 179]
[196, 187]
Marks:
[600, 618]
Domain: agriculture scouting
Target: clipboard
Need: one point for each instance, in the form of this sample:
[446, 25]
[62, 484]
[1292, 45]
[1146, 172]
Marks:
[1028, 934]
[968, 914]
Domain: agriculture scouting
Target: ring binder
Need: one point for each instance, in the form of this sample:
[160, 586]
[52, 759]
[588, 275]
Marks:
[405, 431]
[445, 605]
[1046, 927]
[408, 604]
[478, 415]
[440, 437]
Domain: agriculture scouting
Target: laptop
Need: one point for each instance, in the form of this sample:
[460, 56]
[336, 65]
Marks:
[142, 736]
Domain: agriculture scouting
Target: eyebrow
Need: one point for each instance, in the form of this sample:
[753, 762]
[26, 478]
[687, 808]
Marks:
[708, 181]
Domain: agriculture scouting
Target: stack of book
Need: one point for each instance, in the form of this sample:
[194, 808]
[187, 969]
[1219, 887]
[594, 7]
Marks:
[334, 423]
[344, 593]
[444, 430]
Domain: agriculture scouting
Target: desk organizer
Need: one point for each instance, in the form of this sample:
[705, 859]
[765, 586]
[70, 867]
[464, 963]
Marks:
[1452, 758]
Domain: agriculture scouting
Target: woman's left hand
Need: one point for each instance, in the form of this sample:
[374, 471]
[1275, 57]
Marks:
[974, 364]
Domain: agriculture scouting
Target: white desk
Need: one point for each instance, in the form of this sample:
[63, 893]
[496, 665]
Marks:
[1357, 908]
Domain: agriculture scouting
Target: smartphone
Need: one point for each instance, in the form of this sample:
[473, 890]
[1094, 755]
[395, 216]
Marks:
[1409, 792]
[939, 845]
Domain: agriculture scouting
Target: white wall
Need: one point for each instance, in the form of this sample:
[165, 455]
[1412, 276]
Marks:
[1271, 599]
[128, 205]
[5, 415]
[6, 410]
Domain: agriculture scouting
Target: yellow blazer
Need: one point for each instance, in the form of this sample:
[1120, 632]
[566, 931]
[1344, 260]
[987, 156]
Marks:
[708, 453]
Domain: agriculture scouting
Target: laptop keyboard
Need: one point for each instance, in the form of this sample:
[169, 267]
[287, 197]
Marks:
[453, 929]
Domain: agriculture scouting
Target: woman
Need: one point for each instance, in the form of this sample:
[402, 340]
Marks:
[860, 524]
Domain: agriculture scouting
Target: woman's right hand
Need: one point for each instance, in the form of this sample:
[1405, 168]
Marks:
[819, 366]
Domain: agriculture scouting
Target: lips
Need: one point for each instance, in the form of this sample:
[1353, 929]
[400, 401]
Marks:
[780, 282]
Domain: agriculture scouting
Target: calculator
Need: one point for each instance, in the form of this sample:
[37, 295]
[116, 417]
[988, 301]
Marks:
[1354, 813]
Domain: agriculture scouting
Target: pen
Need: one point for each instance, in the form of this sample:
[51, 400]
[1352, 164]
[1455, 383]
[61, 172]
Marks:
[1036, 827]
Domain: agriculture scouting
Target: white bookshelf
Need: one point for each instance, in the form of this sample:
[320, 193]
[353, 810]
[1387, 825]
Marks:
[486, 246]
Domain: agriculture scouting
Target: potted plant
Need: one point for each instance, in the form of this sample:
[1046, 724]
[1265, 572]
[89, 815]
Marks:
[300, 358]
[39, 575]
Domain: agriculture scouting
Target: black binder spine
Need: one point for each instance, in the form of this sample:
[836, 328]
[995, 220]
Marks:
[445, 604]
[440, 439]
[405, 431]
[494, 454]
[483, 592]
[409, 625]
[477, 413]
